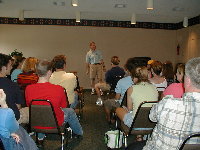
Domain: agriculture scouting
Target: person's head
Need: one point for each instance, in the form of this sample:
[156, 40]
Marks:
[5, 64]
[18, 62]
[131, 64]
[192, 75]
[92, 45]
[180, 72]
[168, 71]
[44, 68]
[115, 60]
[140, 73]
[29, 64]
[59, 62]
[149, 64]
[156, 68]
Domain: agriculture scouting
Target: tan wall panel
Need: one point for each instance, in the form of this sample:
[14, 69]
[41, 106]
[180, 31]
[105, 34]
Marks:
[48, 41]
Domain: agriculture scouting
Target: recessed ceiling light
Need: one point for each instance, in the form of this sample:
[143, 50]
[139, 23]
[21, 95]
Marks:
[120, 5]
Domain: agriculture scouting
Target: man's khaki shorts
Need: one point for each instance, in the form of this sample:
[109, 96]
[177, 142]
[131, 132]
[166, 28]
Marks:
[96, 70]
[103, 86]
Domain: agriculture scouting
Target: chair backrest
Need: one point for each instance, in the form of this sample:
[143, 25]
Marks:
[124, 100]
[141, 119]
[114, 82]
[42, 115]
[185, 146]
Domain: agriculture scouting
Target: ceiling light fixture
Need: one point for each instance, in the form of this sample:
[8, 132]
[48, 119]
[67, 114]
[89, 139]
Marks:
[74, 3]
[133, 19]
[185, 22]
[78, 16]
[150, 4]
[21, 15]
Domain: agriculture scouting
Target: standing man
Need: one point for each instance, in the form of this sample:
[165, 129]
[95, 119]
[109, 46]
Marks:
[94, 65]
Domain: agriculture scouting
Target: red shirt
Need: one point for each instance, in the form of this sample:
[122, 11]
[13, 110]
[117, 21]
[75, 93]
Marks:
[48, 91]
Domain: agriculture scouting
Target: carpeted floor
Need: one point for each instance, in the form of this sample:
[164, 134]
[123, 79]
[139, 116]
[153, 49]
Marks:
[94, 126]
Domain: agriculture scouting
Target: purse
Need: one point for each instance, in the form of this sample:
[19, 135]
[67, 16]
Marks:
[114, 138]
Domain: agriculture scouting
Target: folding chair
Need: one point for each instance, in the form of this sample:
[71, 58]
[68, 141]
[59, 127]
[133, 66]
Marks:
[81, 102]
[141, 120]
[185, 146]
[44, 116]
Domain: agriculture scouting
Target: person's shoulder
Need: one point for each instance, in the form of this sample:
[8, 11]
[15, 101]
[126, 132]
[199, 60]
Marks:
[127, 78]
[6, 110]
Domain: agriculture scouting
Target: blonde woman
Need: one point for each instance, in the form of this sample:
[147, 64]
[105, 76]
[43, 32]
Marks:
[141, 91]
[28, 76]
[177, 89]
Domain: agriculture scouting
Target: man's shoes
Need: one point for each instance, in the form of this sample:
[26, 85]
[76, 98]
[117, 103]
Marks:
[76, 136]
[99, 102]
[93, 92]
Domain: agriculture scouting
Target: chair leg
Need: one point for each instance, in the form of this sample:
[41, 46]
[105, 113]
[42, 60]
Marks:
[62, 140]
[36, 138]
[125, 141]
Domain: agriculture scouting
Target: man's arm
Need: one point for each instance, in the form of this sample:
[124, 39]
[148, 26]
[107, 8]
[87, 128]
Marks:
[157, 109]
[87, 68]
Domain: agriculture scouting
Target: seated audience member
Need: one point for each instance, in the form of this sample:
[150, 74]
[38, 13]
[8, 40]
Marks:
[176, 89]
[14, 95]
[16, 70]
[157, 80]
[64, 79]
[141, 91]
[168, 72]
[121, 88]
[28, 76]
[176, 117]
[13, 136]
[55, 93]
[12, 62]
[149, 68]
[112, 76]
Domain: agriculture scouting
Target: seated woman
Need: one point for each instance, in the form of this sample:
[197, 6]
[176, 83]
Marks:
[13, 136]
[28, 76]
[168, 72]
[157, 80]
[16, 70]
[176, 89]
[141, 91]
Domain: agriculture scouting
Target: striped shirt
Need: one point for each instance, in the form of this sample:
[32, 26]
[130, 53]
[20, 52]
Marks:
[176, 118]
[27, 78]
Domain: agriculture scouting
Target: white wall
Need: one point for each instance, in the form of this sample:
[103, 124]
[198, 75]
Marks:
[189, 41]
[48, 41]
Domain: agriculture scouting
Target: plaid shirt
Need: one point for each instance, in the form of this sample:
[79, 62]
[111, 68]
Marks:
[176, 119]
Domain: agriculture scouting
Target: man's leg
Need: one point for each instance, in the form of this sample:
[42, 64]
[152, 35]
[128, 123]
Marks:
[75, 103]
[92, 80]
[92, 77]
[71, 118]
